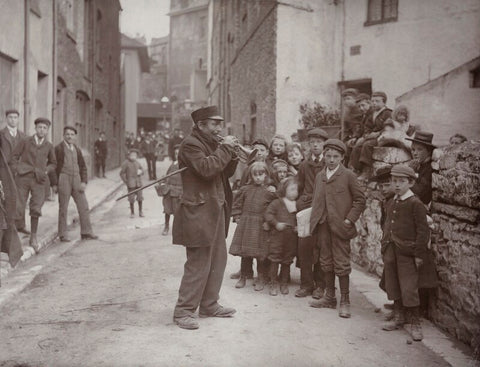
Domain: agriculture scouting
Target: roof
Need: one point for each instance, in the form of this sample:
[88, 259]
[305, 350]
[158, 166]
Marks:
[158, 40]
[128, 43]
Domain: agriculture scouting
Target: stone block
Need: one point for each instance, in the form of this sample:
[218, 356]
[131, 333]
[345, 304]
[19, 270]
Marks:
[466, 154]
[391, 155]
[457, 187]
[460, 212]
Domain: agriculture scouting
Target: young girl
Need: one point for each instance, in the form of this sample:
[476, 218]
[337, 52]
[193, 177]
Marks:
[249, 240]
[279, 172]
[295, 157]
[277, 149]
[280, 215]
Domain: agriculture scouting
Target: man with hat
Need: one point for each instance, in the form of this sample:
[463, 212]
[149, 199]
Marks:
[311, 276]
[404, 249]
[337, 203]
[70, 181]
[422, 149]
[148, 147]
[201, 222]
[32, 160]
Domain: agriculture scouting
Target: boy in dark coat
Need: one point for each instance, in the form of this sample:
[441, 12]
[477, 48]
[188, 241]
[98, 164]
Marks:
[101, 151]
[404, 248]
[311, 276]
[337, 204]
[131, 174]
[32, 160]
[149, 150]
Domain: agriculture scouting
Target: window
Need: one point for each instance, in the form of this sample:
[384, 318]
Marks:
[98, 33]
[81, 117]
[42, 95]
[381, 11]
[98, 116]
[60, 110]
[202, 26]
[67, 9]
[475, 78]
[87, 25]
[7, 83]
[253, 121]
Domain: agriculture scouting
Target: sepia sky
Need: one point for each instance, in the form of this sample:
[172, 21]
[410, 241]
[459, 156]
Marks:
[145, 17]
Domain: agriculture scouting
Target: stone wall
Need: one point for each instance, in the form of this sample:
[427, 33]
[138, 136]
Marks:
[455, 240]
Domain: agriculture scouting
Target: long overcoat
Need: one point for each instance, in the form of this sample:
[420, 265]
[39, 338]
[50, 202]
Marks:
[206, 189]
[8, 142]
[337, 199]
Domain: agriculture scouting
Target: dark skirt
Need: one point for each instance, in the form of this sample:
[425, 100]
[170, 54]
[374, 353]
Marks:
[249, 238]
[170, 204]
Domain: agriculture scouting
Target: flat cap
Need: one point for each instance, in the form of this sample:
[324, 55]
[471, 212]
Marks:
[362, 96]
[133, 150]
[210, 112]
[383, 174]
[350, 92]
[279, 162]
[69, 127]
[380, 94]
[317, 133]
[42, 120]
[402, 170]
[10, 111]
[335, 144]
[260, 141]
[424, 138]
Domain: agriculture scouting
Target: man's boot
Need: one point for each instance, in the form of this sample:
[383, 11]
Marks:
[33, 234]
[398, 317]
[241, 282]
[328, 300]
[344, 309]
[319, 276]
[415, 325]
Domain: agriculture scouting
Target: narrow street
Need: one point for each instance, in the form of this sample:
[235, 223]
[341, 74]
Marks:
[109, 303]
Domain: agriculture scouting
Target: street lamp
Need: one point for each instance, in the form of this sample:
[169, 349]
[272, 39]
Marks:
[164, 102]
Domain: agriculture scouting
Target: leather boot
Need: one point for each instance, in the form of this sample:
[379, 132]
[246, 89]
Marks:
[236, 275]
[398, 318]
[140, 211]
[273, 288]
[344, 309]
[284, 275]
[241, 282]
[415, 325]
[327, 301]
[33, 235]
[260, 282]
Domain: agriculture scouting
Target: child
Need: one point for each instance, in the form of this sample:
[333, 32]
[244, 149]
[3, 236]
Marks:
[131, 173]
[422, 149]
[457, 139]
[249, 240]
[171, 190]
[277, 149]
[337, 204]
[311, 276]
[279, 171]
[404, 248]
[295, 157]
[280, 215]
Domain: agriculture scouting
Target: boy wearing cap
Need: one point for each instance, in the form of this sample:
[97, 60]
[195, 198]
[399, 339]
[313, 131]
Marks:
[70, 181]
[311, 275]
[131, 174]
[404, 249]
[32, 159]
[338, 201]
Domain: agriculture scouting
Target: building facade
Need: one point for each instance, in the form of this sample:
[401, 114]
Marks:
[70, 52]
[268, 57]
[187, 54]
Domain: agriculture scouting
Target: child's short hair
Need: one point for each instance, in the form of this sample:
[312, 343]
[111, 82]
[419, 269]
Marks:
[256, 167]
[278, 137]
[282, 188]
[460, 137]
[291, 147]
[401, 110]
[380, 94]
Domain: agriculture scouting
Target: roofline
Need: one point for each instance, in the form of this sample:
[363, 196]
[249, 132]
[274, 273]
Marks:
[187, 10]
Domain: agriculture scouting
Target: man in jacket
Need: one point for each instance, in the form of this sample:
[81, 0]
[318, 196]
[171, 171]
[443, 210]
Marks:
[148, 147]
[10, 136]
[71, 180]
[101, 150]
[32, 160]
[201, 221]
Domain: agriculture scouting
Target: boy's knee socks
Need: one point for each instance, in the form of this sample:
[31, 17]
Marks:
[344, 281]
[132, 208]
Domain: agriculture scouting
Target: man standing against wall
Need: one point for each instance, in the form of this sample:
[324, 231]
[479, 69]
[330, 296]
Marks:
[71, 177]
[101, 151]
[31, 161]
[201, 222]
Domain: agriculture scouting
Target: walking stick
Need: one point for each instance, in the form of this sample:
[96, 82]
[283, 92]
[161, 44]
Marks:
[153, 183]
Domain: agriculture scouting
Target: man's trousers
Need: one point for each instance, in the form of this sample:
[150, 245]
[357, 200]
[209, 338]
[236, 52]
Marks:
[311, 276]
[203, 275]
[70, 186]
[27, 184]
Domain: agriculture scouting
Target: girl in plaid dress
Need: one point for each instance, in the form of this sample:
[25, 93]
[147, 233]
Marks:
[249, 240]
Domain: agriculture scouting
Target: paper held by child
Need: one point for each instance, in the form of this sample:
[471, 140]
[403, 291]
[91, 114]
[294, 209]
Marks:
[303, 222]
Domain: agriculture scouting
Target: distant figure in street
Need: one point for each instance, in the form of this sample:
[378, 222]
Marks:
[101, 152]
[148, 147]
[32, 160]
[131, 174]
[71, 181]
[171, 190]
[201, 223]
[176, 139]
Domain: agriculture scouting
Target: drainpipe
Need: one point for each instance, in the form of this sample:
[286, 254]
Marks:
[26, 62]
[54, 67]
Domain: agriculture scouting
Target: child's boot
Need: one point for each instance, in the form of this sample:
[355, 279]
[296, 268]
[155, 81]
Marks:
[416, 326]
[140, 212]
[132, 210]
[166, 228]
[328, 300]
[398, 317]
[260, 282]
[284, 276]
[33, 234]
[273, 288]
[241, 282]
[344, 309]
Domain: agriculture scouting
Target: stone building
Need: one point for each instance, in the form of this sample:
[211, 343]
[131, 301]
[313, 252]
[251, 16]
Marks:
[88, 75]
[70, 52]
[187, 54]
[268, 57]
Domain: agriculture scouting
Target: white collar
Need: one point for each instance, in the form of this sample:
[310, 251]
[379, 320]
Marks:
[320, 157]
[375, 114]
[405, 196]
[332, 171]
[13, 131]
[38, 140]
[69, 146]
